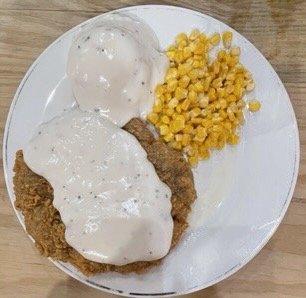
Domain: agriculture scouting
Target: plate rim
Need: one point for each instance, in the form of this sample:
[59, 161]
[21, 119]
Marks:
[226, 274]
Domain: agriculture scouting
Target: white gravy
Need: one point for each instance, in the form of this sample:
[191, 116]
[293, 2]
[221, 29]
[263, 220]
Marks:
[114, 207]
[114, 66]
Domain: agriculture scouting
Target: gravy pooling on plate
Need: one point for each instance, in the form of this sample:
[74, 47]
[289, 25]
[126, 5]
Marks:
[114, 66]
[115, 208]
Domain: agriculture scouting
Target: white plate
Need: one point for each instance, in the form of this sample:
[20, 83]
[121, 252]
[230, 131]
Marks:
[246, 189]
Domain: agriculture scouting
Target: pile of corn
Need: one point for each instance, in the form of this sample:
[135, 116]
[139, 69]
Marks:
[199, 106]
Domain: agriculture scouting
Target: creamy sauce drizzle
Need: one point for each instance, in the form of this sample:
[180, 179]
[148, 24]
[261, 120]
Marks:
[114, 207]
[114, 66]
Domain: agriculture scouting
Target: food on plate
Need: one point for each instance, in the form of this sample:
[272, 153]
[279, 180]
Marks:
[96, 187]
[114, 65]
[254, 105]
[104, 188]
[199, 107]
[34, 197]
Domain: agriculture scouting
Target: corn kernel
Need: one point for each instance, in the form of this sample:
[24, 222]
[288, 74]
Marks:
[159, 90]
[182, 44]
[221, 92]
[192, 95]
[233, 107]
[173, 103]
[221, 55]
[217, 120]
[230, 76]
[231, 98]
[221, 143]
[233, 139]
[191, 87]
[224, 69]
[204, 152]
[201, 131]
[250, 86]
[185, 105]
[254, 105]
[240, 103]
[231, 115]
[193, 74]
[167, 96]
[235, 51]
[227, 125]
[187, 52]
[232, 61]
[212, 94]
[169, 112]
[199, 49]
[196, 120]
[202, 72]
[217, 83]
[196, 64]
[195, 112]
[188, 129]
[216, 128]
[153, 118]
[157, 108]
[184, 81]
[247, 75]
[178, 56]
[239, 78]
[203, 38]
[203, 101]
[215, 39]
[185, 139]
[171, 48]
[186, 115]
[165, 119]
[227, 37]
[194, 34]
[223, 114]
[178, 137]
[216, 67]
[172, 85]
[181, 37]
[198, 87]
[172, 73]
[240, 117]
[181, 93]
[176, 145]
[178, 108]
[169, 137]
[171, 55]
[193, 160]
[206, 113]
[182, 69]
[223, 103]
[164, 129]
[177, 124]
[238, 90]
